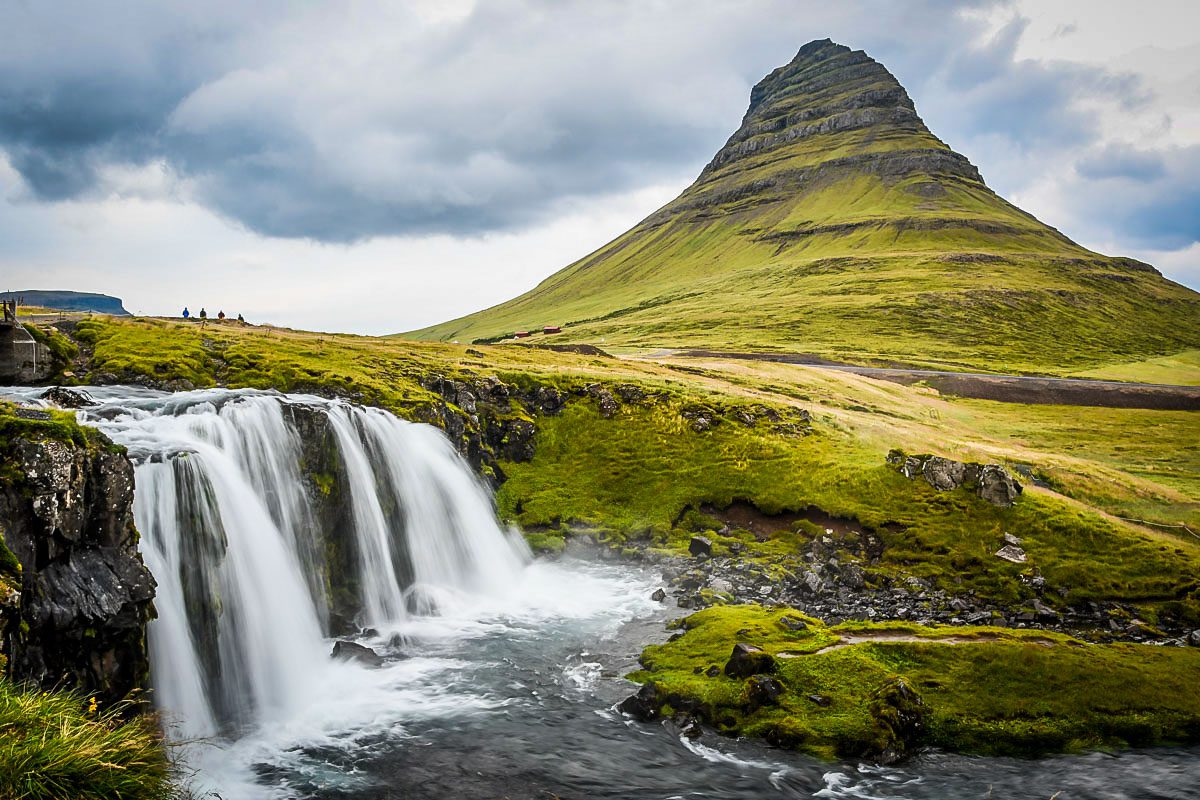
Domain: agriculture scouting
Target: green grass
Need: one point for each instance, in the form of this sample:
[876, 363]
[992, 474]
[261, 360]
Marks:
[995, 692]
[59, 746]
[635, 475]
[919, 266]
[1178, 369]
[632, 477]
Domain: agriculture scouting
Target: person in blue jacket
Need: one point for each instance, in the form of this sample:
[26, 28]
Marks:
[186, 313]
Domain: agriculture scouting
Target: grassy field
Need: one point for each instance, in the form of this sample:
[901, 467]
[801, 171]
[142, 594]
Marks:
[1181, 369]
[856, 242]
[988, 691]
[634, 476]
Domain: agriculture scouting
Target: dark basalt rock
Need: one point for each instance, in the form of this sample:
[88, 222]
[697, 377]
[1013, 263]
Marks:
[604, 399]
[762, 690]
[747, 660]
[344, 650]
[85, 594]
[700, 546]
[644, 705]
[68, 398]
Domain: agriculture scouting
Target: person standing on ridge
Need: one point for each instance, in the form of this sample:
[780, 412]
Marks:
[186, 313]
[221, 314]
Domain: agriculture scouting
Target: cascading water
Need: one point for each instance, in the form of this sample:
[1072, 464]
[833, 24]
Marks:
[229, 525]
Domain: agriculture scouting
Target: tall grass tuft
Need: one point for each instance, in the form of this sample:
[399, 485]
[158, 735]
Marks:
[61, 746]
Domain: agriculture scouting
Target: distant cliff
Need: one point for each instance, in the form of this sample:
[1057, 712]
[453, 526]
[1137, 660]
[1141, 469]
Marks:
[69, 301]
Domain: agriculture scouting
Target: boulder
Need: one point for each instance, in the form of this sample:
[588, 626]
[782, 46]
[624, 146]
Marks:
[996, 486]
[68, 398]
[604, 399]
[644, 705]
[820, 699]
[1193, 638]
[747, 660]
[762, 690]
[700, 546]
[658, 596]
[720, 586]
[991, 482]
[943, 474]
[345, 650]
[1012, 553]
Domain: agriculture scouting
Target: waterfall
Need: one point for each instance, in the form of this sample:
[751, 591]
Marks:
[258, 558]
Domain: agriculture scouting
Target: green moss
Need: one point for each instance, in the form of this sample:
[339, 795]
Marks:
[545, 542]
[989, 691]
[61, 426]
[325, 483]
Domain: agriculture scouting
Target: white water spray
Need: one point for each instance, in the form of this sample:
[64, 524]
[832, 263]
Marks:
[231, 529]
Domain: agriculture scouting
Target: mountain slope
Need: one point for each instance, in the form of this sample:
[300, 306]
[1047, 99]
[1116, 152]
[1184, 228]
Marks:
[833, 222]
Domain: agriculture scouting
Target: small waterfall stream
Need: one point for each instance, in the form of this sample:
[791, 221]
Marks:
[232, 529]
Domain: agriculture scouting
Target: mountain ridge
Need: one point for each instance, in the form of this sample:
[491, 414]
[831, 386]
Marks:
[834, 222]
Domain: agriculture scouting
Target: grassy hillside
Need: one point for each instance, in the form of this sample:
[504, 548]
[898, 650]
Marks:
[636, 474]
[834, 223]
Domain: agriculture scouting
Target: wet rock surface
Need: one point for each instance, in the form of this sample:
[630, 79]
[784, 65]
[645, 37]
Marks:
[85, 594]
[345, 650]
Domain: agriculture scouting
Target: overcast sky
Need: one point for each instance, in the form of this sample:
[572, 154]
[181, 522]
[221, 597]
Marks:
[377, 167]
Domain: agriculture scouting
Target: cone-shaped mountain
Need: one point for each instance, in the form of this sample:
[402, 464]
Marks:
[834, 222]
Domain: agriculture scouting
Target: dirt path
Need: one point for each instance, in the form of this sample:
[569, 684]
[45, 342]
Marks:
[986, 386]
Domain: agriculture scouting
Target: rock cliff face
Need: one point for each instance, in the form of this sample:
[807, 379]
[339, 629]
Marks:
[84, 594]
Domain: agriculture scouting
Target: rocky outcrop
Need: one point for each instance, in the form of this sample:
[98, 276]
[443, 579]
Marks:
[991, 482]
[85, 595]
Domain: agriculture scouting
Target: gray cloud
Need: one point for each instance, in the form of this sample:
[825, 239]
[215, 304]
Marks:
[1152, 198]
[1121, 162]
[349, 122]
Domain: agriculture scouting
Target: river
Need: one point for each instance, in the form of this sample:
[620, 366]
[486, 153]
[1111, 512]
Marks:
[500, 672]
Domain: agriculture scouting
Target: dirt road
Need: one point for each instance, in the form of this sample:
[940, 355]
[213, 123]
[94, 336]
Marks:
[1004, 388]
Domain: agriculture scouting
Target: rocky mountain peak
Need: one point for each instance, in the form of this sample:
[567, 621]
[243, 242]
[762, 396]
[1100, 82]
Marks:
[826, 89]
